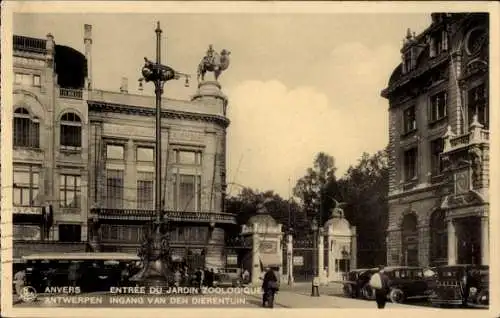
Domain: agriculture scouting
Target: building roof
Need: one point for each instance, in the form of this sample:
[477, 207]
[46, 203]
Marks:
[339, 225]
[262, 217]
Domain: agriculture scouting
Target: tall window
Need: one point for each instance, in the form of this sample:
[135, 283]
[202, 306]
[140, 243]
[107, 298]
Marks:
[410, 164]
[114, 189]
[437, 147]
[187, 157]
[145, 154]
[115, 152]
[71, 130]
[26, 129]
[478, 104]
[410, 240]
[26, 186]
[145, 191]
[409, 119]
[70, 191]
[439, 238]
[187, 192]
[438, 106]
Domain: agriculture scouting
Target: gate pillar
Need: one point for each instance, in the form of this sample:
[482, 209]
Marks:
[341, 249]
[266, 236]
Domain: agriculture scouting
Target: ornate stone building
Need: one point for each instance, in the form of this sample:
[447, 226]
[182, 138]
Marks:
[89, 154]
[439, 144]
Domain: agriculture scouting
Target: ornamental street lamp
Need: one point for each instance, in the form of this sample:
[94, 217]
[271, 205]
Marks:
[315, 281]
[156, 271]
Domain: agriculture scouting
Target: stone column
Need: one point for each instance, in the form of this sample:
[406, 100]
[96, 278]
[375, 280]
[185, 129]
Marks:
[321, 256]
[485, 244]
[452, 243]
[255, 257]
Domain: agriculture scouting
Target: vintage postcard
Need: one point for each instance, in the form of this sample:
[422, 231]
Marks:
[202, 158]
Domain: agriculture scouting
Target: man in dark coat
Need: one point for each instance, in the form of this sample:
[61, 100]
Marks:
[269, 287]
[381, 293]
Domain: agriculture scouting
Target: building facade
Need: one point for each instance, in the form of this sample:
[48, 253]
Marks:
[439, 144]
[84, 170]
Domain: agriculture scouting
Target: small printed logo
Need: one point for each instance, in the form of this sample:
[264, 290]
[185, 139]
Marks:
[28, 294]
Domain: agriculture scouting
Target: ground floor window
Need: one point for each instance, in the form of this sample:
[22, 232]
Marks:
[70, 232]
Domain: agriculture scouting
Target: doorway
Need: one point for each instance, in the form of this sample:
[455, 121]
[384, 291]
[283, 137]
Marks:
[469, 240]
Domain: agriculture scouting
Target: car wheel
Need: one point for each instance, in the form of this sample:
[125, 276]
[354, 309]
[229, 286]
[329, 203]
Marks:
[368, 292]
[348, 290]
[396, 295]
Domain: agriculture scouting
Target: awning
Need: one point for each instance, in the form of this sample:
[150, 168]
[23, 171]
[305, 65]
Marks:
[270, 260]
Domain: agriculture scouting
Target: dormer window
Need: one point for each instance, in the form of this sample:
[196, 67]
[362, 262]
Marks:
[438, 43]
[407, 62]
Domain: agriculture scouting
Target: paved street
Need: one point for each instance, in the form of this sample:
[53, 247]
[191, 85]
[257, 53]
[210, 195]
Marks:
[297, 296]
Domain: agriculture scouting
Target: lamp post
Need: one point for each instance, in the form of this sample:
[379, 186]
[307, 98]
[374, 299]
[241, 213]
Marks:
[155, 247]
[315, 281]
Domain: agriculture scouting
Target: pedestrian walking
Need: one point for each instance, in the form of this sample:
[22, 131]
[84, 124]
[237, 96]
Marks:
[73, 272]
[245, 276]
[270, 285]
[20, 281]
[380, 282]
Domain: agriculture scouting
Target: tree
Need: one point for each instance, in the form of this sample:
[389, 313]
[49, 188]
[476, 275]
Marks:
[244, 206]
[364, 190]
[314, 189]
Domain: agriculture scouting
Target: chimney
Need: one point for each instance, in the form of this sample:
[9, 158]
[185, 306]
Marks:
[87, 41]
[124, 86]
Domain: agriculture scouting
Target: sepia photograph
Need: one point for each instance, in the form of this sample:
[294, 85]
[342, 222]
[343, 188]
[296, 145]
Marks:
[246, 160]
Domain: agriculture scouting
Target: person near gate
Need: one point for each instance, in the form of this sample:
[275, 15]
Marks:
[270, 285]
[380, 282]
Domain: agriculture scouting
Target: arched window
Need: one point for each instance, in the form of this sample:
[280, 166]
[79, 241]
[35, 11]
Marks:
[439, 238]
[410, 240]
[71, 130]
[26, 129]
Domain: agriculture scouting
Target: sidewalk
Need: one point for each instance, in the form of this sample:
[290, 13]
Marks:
[298, 295]
[290, 299]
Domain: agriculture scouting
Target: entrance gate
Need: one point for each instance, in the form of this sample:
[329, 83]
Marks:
[303, 260]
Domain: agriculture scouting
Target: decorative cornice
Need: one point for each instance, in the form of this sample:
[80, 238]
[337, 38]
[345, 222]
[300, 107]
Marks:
[147, 111]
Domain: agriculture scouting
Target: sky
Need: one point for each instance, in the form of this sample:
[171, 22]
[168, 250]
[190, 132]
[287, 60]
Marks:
[297, 84]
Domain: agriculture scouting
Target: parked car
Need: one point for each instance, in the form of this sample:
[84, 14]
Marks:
[228, 277]
[356, 285]
[461, 285]
[406, 282]
[479, 291]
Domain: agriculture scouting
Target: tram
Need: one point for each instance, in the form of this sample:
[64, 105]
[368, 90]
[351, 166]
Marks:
[88, 271]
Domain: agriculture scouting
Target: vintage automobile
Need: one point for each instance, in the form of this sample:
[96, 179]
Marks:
[230, 276]
[406, 282]
[479, 292]
[356, 285]
[461, 285]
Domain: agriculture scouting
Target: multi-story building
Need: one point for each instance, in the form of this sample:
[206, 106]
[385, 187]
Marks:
[439, 148]
[88, 156]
